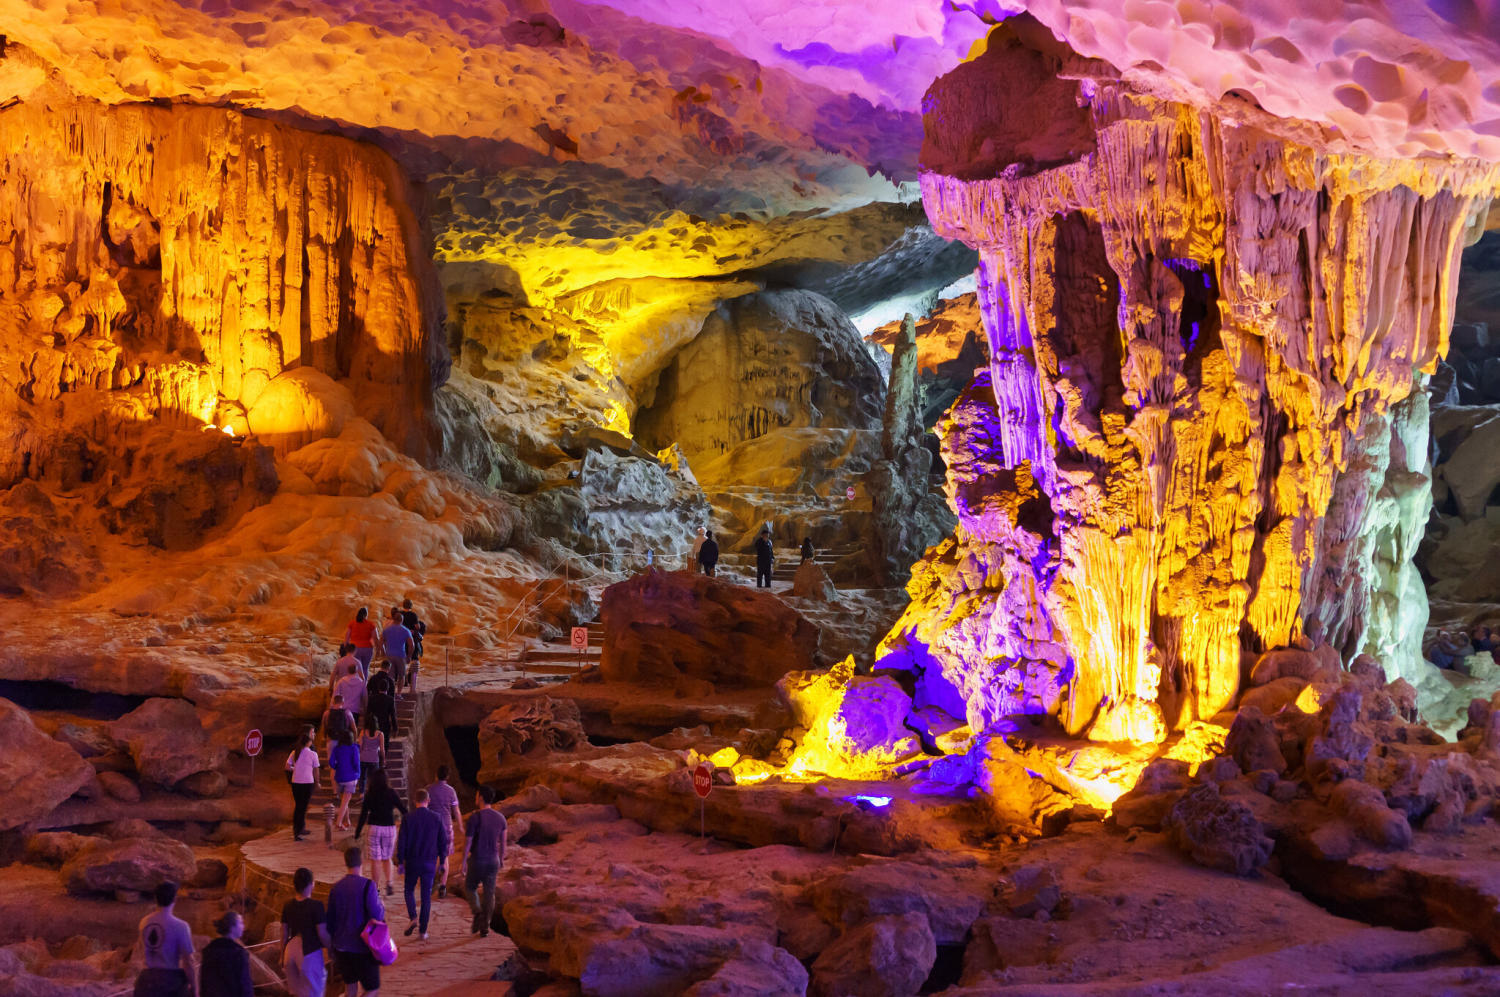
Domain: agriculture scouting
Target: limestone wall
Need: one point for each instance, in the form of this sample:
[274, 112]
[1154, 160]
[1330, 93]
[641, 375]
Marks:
[1200, 434]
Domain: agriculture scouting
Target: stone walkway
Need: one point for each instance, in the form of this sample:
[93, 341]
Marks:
[450, 959]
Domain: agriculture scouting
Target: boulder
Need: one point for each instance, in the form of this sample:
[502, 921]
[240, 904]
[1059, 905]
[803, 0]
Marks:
[883, 957]
[120, 787]
[812, 582]
[1254, 743]
[946, 900]
[1364, 807]
[134, 864]
[1216, 832]
[530, 724]
[855, 726]
[1033, 890]
[168, 743]
[1274, 696]
[660, 626]
[37, 773]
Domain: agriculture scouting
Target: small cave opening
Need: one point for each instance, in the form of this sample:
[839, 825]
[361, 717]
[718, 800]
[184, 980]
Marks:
[1198, 324]
[58, 697]
[463, 745]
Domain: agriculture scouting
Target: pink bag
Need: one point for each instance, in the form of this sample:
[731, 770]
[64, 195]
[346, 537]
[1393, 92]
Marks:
[378, 937]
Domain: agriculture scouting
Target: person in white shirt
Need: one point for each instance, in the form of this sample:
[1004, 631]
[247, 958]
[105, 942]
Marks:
[302, 765]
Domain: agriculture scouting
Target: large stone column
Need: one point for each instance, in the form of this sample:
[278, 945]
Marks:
[1197, 436]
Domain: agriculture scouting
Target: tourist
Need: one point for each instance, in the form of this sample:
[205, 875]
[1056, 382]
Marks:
[807, 550]
[1448, 650]
[225, 969]
[444, 802]
[379, 809]
[343, 772]
[418, 629]
[166, 945]
[708, 554]
[698, 546]
[303, 937]
[371, 752]
[363, 633]
[397, 643]
[422, 850]
[380, 700]
[484, 854]
[347, 664]
[1483, 639]
[302, 765]
[352, 688]
[354, 902]
[764, 555]
[337, 721]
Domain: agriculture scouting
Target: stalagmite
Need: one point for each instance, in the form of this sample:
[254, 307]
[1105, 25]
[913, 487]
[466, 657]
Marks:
[1199, 436]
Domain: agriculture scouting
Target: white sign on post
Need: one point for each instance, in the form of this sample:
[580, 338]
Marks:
[581, 638]
[849, 493]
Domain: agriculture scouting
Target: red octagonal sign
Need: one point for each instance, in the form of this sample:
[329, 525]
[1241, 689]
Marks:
[253, 742]
[703, 779]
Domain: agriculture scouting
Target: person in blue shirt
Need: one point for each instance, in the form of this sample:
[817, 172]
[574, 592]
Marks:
[422, 848]
[398, 644]
[343, 772]
[352, 903]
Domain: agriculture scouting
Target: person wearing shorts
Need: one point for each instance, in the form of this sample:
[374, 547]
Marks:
[352, 903]
[381, 804]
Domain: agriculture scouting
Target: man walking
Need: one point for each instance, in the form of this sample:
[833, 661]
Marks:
[398, 645]
[443, 801]
[166, 944]
[380, 700]
[708, 554]
[353, 902]
[484, 852]
[763, 556]
[422, 848]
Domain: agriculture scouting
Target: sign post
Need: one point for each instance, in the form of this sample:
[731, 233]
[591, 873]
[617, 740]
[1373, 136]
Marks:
[253, 743]
[703, 784]
[580, 641]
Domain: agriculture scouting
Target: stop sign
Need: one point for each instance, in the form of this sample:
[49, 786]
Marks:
[703, 779]
[253, 742]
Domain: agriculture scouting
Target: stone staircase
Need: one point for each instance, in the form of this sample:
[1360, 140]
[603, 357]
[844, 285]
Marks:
[396, 766]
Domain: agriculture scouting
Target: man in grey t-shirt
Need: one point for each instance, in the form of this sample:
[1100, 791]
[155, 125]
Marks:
[443, 801]
[166, 945]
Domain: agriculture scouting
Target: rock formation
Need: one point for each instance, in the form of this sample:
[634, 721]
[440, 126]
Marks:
[763, 363]
[1207, 336]
[664, 626]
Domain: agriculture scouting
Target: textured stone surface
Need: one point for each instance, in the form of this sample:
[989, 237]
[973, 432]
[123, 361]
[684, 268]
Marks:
[36, 772]
[883, 957]
[1116, 492]
[136, 864]
[662, 625]
[167, 742]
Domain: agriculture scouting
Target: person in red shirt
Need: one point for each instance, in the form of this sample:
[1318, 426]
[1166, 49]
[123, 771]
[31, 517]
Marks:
[362, 632]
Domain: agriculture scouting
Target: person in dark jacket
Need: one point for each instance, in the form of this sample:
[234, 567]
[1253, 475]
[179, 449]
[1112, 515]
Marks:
[380, 700]
[807, 549]
[422, 849]
[708, 554]
[225, 970]
[764, 554]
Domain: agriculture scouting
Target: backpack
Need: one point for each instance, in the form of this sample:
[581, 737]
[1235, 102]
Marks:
[337, 725]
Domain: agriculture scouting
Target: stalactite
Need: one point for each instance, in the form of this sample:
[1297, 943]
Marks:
[1205, 340]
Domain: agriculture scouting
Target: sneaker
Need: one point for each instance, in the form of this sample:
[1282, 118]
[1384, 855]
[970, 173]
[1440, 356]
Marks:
[411, 928]
[442, 890]
[476, 924]
[389, 889]
[423, 936]
[484, 932]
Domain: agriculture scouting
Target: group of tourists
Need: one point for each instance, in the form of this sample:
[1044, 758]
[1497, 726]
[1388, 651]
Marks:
[706, 554]
[1449, 648]
[361, 716]
[421, 848]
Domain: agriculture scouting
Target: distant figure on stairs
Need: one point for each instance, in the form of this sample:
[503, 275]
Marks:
[418, 630]
[371, 751]
[698, 545]
[764, 556]
[807, 549]
[708, 554]
[379, 810]
[398, 644]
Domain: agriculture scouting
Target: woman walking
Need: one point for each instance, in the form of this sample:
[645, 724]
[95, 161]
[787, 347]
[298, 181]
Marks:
[302, 769]
[362, 633]
[379, 811]
[371, 751]
[343, 772]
